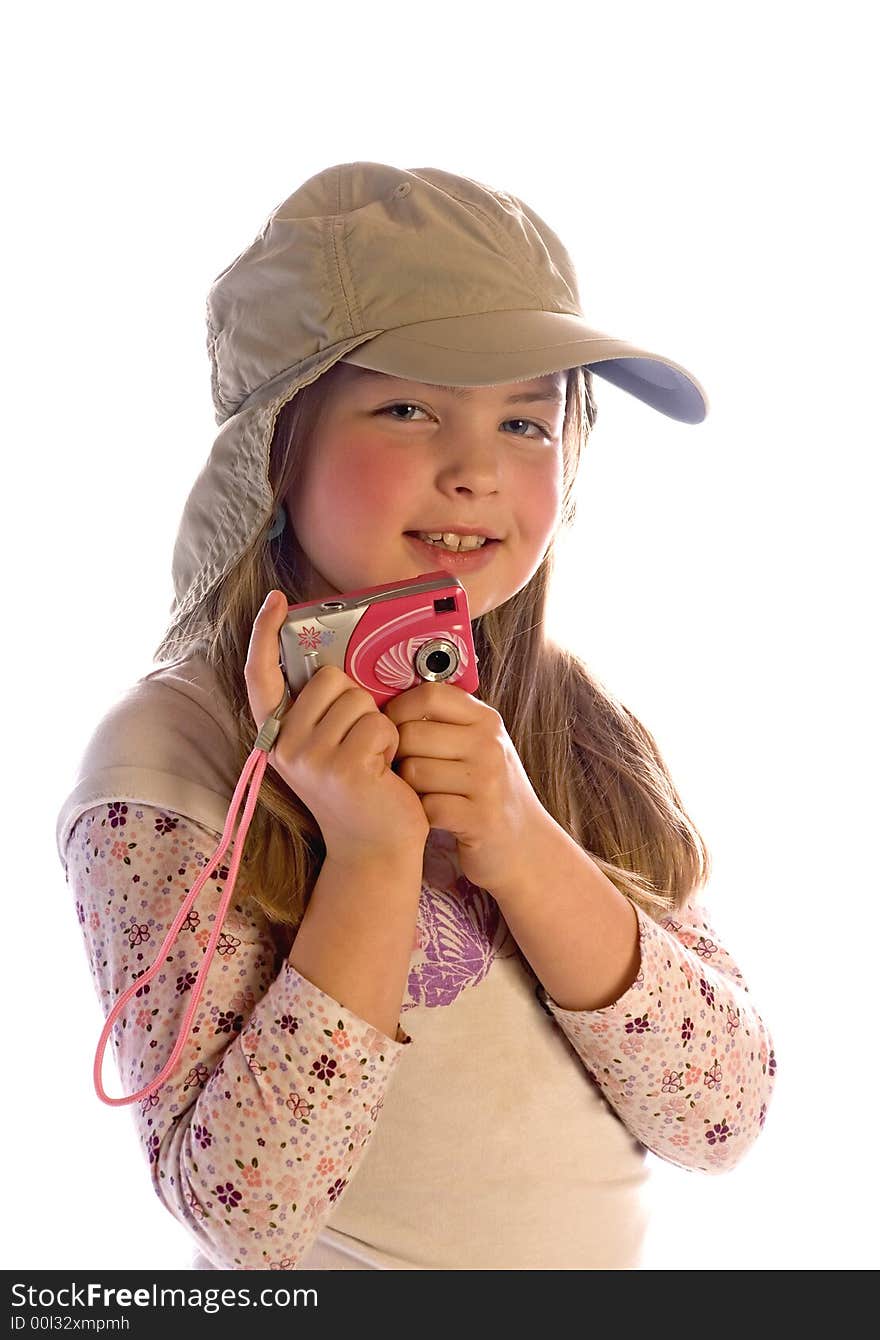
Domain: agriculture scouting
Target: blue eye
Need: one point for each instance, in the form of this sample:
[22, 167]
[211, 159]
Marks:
[407, 404]
[541, 429]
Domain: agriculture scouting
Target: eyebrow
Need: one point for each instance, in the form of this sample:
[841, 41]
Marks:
[555, 397]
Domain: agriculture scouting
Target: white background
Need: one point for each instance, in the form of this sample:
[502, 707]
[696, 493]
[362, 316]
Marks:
[712, 170]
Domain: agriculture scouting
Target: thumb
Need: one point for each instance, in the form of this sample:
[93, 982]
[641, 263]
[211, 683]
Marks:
[262, 671]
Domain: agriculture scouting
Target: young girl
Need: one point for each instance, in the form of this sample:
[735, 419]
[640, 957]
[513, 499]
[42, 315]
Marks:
[464, 984]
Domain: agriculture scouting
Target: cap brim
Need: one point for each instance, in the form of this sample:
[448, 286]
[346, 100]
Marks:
[491, 348]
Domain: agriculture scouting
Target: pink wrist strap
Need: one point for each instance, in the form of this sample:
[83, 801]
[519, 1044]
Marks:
[251, 778]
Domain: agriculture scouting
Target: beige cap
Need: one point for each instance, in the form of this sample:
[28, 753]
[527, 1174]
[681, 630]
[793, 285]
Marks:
[414, 272]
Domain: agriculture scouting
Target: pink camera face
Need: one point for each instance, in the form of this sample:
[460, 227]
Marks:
[386, 638]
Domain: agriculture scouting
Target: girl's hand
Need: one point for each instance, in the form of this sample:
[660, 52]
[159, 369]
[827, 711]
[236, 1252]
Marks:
[334, 750]
[464, 766]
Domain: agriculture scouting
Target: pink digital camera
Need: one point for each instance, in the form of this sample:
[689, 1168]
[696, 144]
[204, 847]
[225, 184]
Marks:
[386, 638]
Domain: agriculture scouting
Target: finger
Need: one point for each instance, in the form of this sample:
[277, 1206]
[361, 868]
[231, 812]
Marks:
[438, 739]
[262, 670]
[434, 702]
[445, 777]
[366, 733]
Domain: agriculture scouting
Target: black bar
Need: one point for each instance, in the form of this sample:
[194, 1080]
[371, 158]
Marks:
[288, 1303]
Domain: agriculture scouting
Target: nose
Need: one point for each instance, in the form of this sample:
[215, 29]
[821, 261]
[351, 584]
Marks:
[470, 462]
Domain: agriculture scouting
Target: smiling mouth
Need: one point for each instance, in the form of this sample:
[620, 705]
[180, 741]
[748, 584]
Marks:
[434, 544]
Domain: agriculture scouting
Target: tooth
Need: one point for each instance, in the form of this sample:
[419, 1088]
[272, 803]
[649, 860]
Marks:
[460, 541]
[454, 542]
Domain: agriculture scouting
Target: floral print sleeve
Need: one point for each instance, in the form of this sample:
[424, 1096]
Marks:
[264, 1121]
[683, 1057]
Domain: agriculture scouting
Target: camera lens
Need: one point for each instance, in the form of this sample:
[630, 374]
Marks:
[437, 660]
[438, 663]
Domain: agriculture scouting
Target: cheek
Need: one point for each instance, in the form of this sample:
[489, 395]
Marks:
[541, 498]
[364, 487]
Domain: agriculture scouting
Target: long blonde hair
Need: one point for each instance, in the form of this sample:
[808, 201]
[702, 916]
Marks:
[593, 765]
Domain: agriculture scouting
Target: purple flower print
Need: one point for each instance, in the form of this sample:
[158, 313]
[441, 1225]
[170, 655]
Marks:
[153, 1147]
[198, 1075]
[137, 934]
[229, 1022]
[116, 814]
[707, 991]
[771, 1065]
[203, 1135]
[687, 1029]
[166, 823]
[185, 981]
[718, 1133]
[672, 1081]
[194, 1205]
[762, 1115]
[336, 1190]
[288, 1023]
[227, 944]
[81, 913]
[227, 1195]
[638, 1025]
[298, 1106]
[192, 920]
[704, 947]
[142, 990]
[325, 1068]
[712, 1077]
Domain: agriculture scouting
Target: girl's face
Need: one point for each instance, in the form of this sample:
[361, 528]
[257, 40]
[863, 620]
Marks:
[390, 456]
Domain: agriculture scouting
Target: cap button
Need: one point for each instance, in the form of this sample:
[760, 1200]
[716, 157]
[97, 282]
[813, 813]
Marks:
[403, 189]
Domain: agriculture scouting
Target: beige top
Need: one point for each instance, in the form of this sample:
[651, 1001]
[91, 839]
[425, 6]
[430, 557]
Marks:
[497, 1131]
